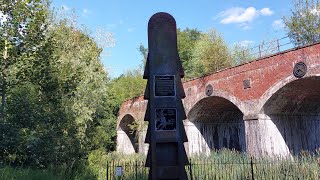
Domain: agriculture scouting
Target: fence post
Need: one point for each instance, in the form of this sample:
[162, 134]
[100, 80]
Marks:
[107, 171]
[244, 57]
[251, 164]
[112, 171]
[136, 170]
[259, 50]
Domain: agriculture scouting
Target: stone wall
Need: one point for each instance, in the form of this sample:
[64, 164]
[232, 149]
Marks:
[126, 142]
[204, 137]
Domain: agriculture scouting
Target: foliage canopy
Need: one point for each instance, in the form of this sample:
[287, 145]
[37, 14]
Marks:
[55, 99]
[304, 23]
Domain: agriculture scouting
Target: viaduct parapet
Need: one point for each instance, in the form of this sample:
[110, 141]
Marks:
[263, 107]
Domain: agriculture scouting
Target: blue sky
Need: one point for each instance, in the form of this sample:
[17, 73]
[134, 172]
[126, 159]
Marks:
[247, 21]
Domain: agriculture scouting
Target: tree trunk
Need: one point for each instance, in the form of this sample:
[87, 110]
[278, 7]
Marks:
[4, 84]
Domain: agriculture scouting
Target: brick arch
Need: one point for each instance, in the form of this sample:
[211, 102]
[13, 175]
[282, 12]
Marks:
[216, 122]
[293, 105]
[217, 93]
[278, 86]
[125, 117]
[129, 142]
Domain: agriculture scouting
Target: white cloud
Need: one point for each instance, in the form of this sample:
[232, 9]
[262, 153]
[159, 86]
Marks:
[65, 7]
[238, 15]
[266, 12]
[278, 24]
[241, 15]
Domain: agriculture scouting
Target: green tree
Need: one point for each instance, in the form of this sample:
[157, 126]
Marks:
[144, 53]
[81, 92]
[22, 31]
[187, 39]
[58, 105]
[23, 25]
[303, 25]
[241, 53]
[210, 54]
[128, 85]
[200, 53]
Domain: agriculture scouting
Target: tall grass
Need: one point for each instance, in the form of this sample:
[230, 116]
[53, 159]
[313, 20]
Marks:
[223, 164]
[227, 164]
[77, 171]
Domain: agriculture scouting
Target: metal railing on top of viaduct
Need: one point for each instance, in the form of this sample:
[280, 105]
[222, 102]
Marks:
[263, 50]
[267, 48]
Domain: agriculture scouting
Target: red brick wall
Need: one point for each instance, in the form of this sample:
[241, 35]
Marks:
[264, 74]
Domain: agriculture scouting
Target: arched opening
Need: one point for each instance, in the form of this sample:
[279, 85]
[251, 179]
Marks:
[127, 135]
[295, 111]
[219, 124]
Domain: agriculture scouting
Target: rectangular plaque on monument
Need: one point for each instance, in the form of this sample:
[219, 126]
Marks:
[164, 86]
[166, 119]
[166, 155]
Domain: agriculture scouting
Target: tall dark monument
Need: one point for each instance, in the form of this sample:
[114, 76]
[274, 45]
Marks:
[166, 134]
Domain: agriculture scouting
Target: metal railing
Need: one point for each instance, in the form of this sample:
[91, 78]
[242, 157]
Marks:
[264, 49]
[241, 56]
[241, 168]
[271, 47]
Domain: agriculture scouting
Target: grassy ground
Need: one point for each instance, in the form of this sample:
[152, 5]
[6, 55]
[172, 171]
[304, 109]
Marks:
[92, 168]
[10, 173]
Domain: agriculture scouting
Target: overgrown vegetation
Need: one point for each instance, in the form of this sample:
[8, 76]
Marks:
[56, 107]
[128, 85]
[210, 54]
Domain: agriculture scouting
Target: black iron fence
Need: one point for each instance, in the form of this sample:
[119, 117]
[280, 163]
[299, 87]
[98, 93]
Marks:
[126, 170]
[242, 168]
[268, 48]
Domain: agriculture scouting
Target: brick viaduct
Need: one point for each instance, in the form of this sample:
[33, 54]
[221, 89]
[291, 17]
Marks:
[277, 114]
